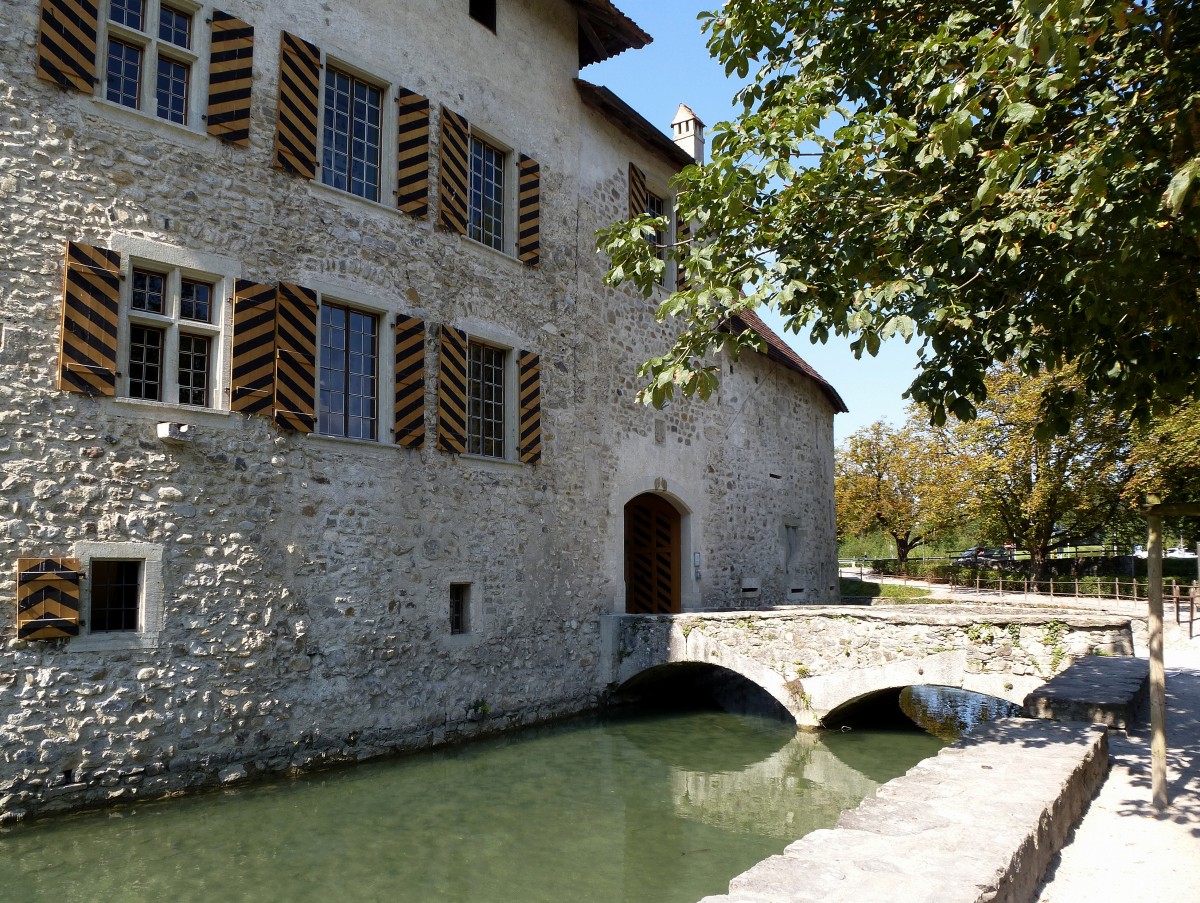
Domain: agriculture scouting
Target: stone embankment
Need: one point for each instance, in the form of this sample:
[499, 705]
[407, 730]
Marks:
[980, 821]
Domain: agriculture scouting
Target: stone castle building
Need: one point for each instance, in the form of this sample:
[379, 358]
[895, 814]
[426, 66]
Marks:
[318, 431]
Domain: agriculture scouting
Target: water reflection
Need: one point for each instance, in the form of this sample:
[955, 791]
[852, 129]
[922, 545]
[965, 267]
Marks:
[950, 713]
[654, 809]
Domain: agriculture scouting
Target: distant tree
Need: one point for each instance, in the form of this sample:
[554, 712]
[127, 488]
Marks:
[1007, 180]
[896, 480]
[1043, 493]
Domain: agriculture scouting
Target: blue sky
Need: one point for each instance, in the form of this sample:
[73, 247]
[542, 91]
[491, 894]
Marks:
[676, 69]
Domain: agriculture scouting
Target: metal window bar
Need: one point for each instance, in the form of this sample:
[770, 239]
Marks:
[351, 141]
[459, 610]
[145, 362]
[123, 74]
[116, 596]
[485, 400]
[349, 385]
[487, 194]
[193, 369]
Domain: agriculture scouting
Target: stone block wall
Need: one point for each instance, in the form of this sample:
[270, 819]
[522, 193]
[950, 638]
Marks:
[301, 614]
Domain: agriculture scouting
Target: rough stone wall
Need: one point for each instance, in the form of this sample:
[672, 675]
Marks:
[305, 579]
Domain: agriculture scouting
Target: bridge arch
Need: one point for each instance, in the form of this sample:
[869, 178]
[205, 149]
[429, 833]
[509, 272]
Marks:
[689, 683]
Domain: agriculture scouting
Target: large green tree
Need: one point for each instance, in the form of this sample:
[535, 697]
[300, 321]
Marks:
[1005, 180]
[1041, 492]
[899, 481]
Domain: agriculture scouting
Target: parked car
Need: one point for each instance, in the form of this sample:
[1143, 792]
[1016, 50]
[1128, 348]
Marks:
[1179, 552]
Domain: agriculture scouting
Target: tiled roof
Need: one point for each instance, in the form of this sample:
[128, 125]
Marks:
[631, 122]
[605, 31]
[779, 350]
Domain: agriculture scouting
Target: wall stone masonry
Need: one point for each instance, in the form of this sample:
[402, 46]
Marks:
[305, 580]
[814, 661]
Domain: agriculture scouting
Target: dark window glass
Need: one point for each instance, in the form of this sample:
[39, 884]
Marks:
[124, 73]
[145, 362]
[485, 400]
[195, 300]
[148, 291]
[656, 206]
[172, 90]
[116, 595]
[484, 12]
[175, 26]
[487, 194]
[193, 369]
[350, 149]
[130, 13]
[348, 390]
[459, 596]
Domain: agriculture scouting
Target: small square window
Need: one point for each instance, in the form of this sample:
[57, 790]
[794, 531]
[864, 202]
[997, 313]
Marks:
[175, 27]
[145, 362]
[195, 300]
[124, 74]
[484, 12]
[147, 291]
[116, 596]
[460, 603]
[130, 13]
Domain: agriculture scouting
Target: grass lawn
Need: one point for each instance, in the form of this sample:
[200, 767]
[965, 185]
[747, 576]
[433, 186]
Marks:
[852, 586]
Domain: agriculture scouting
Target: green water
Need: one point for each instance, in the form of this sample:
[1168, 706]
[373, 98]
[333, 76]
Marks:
[653, 809]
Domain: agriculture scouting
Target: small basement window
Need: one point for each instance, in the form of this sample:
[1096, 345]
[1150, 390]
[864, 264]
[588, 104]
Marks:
[460, 607]
[116, 596]
[484, 12]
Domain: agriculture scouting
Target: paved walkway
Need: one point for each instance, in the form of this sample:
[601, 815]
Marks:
[1123, 849]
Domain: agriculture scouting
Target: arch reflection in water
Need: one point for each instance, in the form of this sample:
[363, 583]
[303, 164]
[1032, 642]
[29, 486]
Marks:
[949, 713]
[663, 808]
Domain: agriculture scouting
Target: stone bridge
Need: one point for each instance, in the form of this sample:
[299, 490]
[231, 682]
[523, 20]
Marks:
[815, 661]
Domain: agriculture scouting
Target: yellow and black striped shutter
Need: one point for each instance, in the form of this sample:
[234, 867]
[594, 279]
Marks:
[639, 196]
[230, 77]
[452, 177]
[295, 357]
[452, 390]
[296, 118]
[252, 386]
[409, 428]
[529, 376]
[529, 211]
[412, 173]
[91, 304]
[47, 598]
[683, 237]
[66, 51]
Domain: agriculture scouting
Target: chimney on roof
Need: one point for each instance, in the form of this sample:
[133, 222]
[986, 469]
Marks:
[688, 132]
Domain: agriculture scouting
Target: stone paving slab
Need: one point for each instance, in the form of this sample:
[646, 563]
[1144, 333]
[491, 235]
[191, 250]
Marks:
[1095, 689]
[978, 822]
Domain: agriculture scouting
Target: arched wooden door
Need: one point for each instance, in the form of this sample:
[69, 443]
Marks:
[652, 564]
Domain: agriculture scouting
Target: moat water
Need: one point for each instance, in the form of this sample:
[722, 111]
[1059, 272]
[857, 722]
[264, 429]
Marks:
[649, 808]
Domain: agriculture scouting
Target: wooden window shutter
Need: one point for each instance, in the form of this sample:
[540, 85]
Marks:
[295, 357]
[639, 196]
[299, 107]
[529, 378]
[230, 77]
[66, 49]
[683, 235]
[410, 382]
[529, 211]
[47, 598]
[452, 390]
[252, 383]
[453, 174]
[91, 305]
[412, 180]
